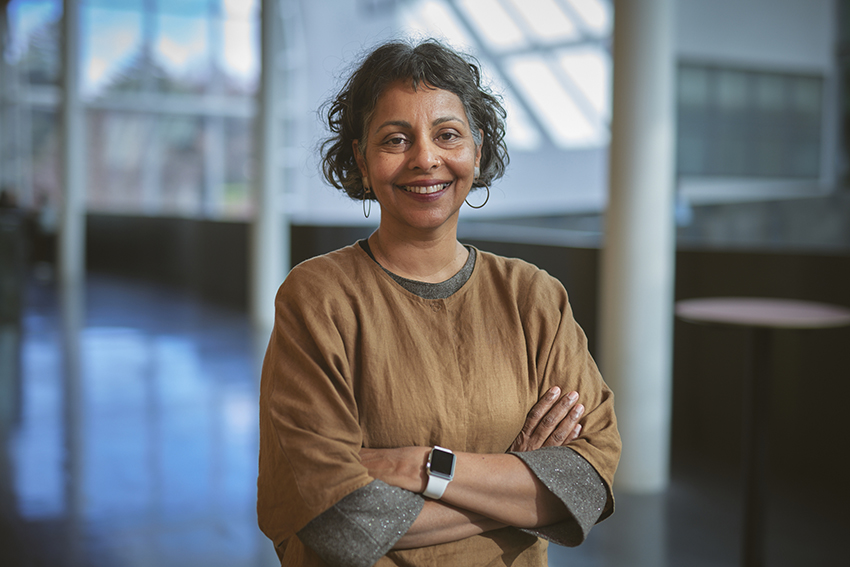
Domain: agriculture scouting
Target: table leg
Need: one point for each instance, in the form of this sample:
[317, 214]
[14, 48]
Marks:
[755, 448]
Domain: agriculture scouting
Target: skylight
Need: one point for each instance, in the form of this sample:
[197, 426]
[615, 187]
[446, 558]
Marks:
[546, 20]
[549, 59]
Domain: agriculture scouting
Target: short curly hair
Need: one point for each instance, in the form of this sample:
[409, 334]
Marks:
[428, 63]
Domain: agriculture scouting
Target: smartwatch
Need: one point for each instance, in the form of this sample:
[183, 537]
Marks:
[440, 470]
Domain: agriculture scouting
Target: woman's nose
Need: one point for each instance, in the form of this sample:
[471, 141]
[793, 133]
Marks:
[424, 155]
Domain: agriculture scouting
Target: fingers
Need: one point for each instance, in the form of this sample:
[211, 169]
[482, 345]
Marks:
[540, 411]
[551, 422]
[567, 429]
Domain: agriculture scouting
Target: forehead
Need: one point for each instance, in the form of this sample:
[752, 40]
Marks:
[401, 102]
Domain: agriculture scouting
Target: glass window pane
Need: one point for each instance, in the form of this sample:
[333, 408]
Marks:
[34, 30]
[557, 111]
[119, 164]
[546, 20]
[596, 15]
[182, 54]
[734, 122]
[237, 196]
[806, 95]
[182, 174]
[770, 93]
[433, 18]
[693, 87]
[731, 89]
[590, 70]
[189, 8]
[493, 23]
[134, 5]
[239, 56]
[243, 9]
[44, 132]
[520, 133]
[111, 50]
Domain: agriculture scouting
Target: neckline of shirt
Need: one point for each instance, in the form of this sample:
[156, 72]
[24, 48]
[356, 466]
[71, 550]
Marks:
[426, 290]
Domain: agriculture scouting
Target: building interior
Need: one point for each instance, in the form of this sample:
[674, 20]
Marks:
[159, 176]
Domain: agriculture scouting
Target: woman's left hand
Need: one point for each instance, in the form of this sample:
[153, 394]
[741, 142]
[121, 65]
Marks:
[403, 467]
[552, 422]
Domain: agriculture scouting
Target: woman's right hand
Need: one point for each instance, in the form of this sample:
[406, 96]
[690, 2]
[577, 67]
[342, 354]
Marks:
[552, 422]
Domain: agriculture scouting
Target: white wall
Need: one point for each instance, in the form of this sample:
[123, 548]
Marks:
[788, 35]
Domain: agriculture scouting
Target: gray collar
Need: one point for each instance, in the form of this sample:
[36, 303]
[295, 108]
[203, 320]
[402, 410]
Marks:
[427, 290]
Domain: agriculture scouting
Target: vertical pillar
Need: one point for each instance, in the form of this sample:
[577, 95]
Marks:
[5, 128]
[72, 228]
[270, 232]
[637, 270]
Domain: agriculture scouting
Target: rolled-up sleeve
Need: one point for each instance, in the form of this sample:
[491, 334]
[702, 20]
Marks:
[310, 436]
[576, 484]
[362, 527]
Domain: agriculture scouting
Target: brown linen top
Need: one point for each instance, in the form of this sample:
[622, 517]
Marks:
[356, 360]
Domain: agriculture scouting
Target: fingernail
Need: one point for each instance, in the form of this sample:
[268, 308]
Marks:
[554, 392]
[573, 397]
[579, 410]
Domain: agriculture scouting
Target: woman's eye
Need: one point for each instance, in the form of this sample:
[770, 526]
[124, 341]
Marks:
[447, 136]
[395, 141]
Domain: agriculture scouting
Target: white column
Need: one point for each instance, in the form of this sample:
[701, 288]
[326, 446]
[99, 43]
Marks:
[270, 232]
[5, 103]
[72, 223]
[637, 269]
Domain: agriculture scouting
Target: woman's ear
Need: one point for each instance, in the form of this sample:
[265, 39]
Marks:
[358, 155]
[478, 148]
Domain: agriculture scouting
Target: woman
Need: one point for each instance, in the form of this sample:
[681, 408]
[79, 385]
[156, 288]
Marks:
[406, 364]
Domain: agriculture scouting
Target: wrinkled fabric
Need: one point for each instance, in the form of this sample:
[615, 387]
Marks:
[356, 360]
[363, 526]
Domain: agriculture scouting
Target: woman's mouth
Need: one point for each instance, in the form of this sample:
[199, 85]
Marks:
[424, 189]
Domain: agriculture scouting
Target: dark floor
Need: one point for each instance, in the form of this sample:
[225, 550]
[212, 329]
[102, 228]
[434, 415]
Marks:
[129, 438]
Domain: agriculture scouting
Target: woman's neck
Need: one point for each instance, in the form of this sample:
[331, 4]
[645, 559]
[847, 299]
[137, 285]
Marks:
[432, 261]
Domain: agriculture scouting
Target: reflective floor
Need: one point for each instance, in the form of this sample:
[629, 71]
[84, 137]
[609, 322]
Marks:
[134, 437]
[129, 438]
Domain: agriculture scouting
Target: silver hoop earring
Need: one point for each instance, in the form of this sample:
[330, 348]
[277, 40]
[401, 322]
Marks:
[365, 212]
[482, 204]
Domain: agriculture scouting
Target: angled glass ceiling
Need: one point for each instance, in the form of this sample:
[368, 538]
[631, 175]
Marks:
[550, 60]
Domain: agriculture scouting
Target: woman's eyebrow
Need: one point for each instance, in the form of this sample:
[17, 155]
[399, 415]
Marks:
[406, 124]
[445, 119]
[399, 123]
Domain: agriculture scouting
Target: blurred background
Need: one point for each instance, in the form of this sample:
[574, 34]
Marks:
[159, 176]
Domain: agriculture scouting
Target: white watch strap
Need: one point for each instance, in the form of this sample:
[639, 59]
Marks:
[436, 487]
[437, 483]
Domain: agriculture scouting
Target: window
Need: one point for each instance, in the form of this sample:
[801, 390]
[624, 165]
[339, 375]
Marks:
[168, 89]
[742, 123]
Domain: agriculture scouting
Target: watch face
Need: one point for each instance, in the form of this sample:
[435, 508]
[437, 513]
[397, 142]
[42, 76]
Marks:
[442, 463]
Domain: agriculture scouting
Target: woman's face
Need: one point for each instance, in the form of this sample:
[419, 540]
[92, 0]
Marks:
[419, 157]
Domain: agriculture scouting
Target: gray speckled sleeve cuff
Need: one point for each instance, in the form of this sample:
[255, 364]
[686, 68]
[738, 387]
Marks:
[576, 483]
[362, 527]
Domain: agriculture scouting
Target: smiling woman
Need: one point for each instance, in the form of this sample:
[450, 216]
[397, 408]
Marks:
[418, 159]
[411, 407]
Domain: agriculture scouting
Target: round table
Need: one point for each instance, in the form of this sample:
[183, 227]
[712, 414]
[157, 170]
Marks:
[761, 315]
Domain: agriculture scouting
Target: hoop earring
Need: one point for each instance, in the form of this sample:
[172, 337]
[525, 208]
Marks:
[482, 204]
[365, 212]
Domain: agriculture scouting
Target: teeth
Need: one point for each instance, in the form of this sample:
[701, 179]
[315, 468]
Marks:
[426, 189]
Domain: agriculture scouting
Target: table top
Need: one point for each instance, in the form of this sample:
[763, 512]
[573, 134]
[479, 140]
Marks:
[763, 312]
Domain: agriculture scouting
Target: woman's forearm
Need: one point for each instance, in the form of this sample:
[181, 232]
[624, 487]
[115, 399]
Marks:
[439, 522]
[497, 486]
[503, 488]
